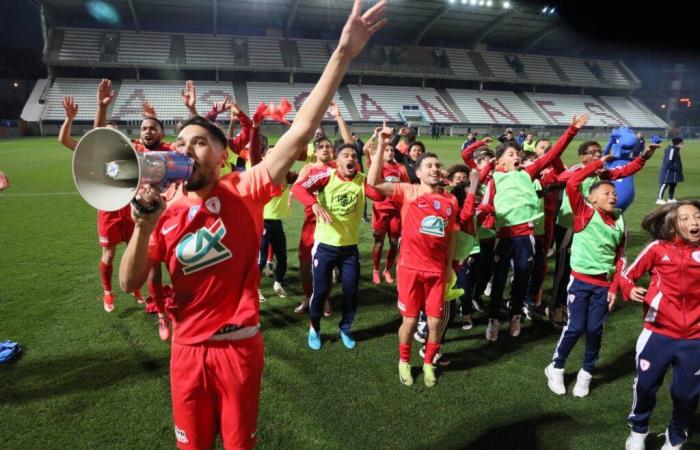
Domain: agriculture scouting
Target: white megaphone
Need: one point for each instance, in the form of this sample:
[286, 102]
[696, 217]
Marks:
[108, 171]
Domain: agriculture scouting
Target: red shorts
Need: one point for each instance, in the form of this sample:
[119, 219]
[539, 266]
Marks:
[420, 291]
[306, 240]
[215, 386]
[386, 221]
[114, 227]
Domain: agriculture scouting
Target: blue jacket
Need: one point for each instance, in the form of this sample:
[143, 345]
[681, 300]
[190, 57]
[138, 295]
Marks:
[671, 167]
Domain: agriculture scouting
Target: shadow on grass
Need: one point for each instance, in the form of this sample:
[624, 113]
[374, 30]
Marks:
[493, 351]
[520, 435]
[36, 380]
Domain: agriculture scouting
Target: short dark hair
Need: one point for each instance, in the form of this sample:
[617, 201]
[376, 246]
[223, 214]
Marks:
[600, 183]
[420, 159]
[677, 140]
[661, 223]
[111, 122]
[501, 149]
[418, 143]
[528, 155]
[583, 148]
[321, 139]
[452, 170]
[343, 146]
[156, 120]
[210, 127]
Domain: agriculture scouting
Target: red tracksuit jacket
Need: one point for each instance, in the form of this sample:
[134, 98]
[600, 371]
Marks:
[672, 303]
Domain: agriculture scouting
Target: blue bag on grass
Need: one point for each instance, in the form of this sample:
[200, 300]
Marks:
[9, 351]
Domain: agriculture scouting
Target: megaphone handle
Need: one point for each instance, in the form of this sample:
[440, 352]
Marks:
[144, 209]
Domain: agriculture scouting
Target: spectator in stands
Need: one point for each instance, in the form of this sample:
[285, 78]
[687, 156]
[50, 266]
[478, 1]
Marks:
[671, 171]
[521, 138]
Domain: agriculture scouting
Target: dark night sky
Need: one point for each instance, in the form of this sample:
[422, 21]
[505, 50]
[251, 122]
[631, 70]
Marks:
[20, 26]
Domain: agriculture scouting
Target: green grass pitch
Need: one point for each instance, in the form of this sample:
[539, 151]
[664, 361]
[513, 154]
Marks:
[89, 380]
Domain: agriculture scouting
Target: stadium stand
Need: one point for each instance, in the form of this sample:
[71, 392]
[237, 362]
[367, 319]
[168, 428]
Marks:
[265, 53]
[81, 45]
[34, 107]
[376, 103]
[204, 50]
[538, 68]
[499, 107]
[499, 66]
[165, 98]
[132, 50]
[461, 64]
[560, 107]
[577, 71]
[295, 93]
[632, 114]
[83, 91]
[314, 53]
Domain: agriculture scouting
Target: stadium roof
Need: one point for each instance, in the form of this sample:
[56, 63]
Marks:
[522, 27]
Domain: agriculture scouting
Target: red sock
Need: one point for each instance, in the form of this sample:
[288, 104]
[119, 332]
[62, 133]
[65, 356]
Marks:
[106, 276]
[376, 256]
[390, 257]
[405, 352]
[155, 290]
[431, 349]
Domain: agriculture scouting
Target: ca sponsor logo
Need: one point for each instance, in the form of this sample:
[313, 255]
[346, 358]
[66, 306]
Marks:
[202, 249]
[644, 365]
[181, 436]
[392, 179]
[433, 226]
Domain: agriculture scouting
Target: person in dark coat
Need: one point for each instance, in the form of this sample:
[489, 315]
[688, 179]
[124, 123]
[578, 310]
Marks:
[671, 171]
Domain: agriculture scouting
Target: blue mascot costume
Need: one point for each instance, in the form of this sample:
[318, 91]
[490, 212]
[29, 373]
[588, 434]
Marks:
[623, 145]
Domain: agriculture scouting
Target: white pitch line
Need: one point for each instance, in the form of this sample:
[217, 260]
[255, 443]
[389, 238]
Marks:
[39, 194]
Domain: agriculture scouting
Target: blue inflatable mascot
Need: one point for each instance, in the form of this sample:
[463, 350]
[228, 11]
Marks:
[623, 145]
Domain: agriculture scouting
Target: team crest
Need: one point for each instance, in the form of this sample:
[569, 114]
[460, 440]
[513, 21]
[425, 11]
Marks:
[343, 203]
[644, 365]
[436, 204]
[433, 226]
[192, 212]
[213, 205]
[202, 249]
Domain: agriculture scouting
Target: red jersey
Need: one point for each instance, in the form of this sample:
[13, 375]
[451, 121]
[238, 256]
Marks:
[427, 219]
[210, 248]
[672, 303]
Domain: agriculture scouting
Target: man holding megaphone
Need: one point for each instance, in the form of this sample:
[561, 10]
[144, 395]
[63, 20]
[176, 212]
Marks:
[209, 237]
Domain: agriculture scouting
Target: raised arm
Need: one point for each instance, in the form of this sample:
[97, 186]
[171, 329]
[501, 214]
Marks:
[356, 32]
[573, 190]
[189, 97]
[342, 125]
[556, 151]
[633, 167]
[374, 173]
[468, 152]
[71, 111]
[105, 95]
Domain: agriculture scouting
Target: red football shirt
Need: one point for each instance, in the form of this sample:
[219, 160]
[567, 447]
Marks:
[210, 248]
[395, 173]
[426, 221]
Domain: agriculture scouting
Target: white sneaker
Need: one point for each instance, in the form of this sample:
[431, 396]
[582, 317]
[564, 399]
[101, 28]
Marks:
[583, 383]
[467, 323]
[492, 330]
[555, 379]
[661, 201]
[635, 441]
[261, 297]
[672, 200]
[515, 325]
[667, 444]
[487, 290]
[419, 337]
[279, 290]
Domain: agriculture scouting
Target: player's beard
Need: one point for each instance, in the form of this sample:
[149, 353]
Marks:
[198, 181]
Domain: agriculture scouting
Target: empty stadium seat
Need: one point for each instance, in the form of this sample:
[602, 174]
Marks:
[295, 93]
[494, 107]
[84, 93]
[559, 109]
[376, 103]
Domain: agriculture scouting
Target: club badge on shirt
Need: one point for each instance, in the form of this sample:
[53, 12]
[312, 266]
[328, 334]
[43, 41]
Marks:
[213, 205]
